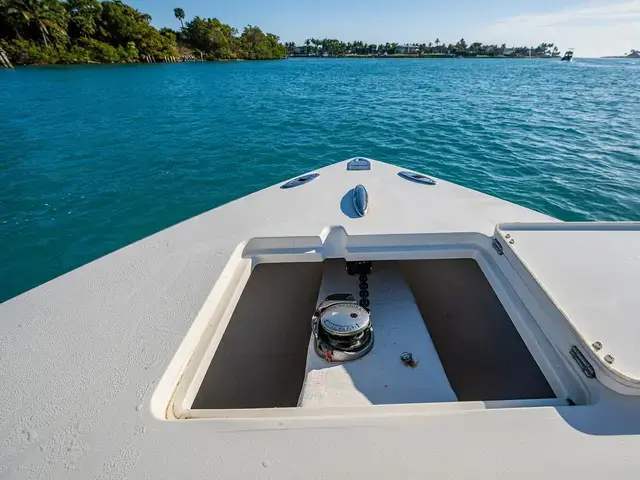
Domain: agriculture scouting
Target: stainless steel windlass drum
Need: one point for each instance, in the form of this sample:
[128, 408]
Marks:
[342, 329]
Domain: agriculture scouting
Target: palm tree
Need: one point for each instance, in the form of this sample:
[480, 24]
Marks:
[179, 13]
[44, 15]
[291, 47]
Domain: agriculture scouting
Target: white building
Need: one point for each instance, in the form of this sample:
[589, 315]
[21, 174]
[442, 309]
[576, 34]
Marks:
[406, 49]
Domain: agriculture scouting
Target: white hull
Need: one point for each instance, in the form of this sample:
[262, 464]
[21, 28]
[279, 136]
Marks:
[101, 367]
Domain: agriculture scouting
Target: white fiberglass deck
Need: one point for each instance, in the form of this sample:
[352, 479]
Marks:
[379, 377]
[90, 361]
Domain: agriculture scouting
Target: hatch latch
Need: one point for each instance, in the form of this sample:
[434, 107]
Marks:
[582, 362]
[496, 246]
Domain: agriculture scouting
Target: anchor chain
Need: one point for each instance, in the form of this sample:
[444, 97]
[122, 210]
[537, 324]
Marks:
[363, 270]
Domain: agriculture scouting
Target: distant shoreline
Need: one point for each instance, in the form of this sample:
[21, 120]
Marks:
[426, 56]
[633, 54]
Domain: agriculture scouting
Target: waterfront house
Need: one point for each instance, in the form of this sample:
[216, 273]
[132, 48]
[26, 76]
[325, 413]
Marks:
[407, 49]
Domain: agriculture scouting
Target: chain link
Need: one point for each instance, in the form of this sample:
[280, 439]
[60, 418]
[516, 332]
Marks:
[362, 269]
[364, 292]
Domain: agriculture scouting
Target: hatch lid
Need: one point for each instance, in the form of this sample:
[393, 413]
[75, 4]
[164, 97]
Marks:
[591, 272]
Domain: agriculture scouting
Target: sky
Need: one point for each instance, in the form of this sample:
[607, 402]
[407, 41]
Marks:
[593, 28]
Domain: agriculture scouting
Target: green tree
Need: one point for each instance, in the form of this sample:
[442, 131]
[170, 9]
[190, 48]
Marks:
[476, 47]
[45, 19]
[100, 51]
[211, 36]
[84, 17]
[179, 13]
[291, 47]
[121, 24]
[254, 44]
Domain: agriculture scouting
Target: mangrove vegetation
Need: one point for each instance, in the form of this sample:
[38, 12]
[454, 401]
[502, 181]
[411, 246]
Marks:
[110, 31]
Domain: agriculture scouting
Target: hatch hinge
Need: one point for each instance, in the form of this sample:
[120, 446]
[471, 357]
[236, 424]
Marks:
[496, 246]
[582, 362]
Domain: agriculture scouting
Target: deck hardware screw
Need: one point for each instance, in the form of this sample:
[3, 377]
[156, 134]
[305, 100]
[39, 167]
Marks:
[512, 241]
[609, 359]
[507, 236]
[596, 346]
[407, 360]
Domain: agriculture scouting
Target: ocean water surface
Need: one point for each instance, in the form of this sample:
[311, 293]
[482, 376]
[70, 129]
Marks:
[95, 157]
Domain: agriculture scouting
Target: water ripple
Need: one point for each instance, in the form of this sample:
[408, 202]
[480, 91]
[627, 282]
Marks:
[93, 158]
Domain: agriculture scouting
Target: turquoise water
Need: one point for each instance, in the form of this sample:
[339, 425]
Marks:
[95, 157]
